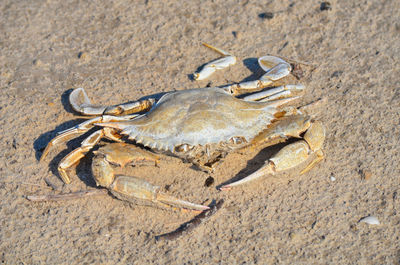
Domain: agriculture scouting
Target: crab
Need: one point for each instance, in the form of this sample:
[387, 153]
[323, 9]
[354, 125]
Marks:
[197, 125]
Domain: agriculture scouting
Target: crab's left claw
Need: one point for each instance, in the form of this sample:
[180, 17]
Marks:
[292, 155]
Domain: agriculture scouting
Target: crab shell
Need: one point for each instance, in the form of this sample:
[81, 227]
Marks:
[199, 124]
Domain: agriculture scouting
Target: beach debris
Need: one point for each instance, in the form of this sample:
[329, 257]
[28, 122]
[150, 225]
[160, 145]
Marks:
[266, 15]
[371, 220]
[365, 174]
[337, 73]
[51, 184]
[236, 34]
[83, 56]
[209, 181]
[325, 6]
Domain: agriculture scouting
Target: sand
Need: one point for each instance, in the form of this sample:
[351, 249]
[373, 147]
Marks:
[123, 50]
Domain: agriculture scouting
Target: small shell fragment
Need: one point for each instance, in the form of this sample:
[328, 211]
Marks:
[371, 220]
[333, 178]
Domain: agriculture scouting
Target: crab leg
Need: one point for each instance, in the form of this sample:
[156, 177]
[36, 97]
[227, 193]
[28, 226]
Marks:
[218, 64]
[68, 134]
[136, 188]
[81, 103]
[79, 129]
[275, 93]
[77, 154]
[291, 155]
[128, 187]
[275, 69]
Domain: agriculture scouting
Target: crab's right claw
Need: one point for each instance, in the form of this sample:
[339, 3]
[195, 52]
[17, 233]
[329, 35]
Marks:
[132, 187]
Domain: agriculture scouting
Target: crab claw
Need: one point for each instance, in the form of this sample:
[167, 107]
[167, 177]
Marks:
[136, 188]
[81, 103]
[222, 63]
[269, 168]
[292, 155]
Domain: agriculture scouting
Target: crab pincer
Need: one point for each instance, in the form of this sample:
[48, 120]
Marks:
[222, 63]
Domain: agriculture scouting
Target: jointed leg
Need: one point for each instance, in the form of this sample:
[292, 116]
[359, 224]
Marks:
[275, 69]
[275, 93]
[81, 103]
[77, 154]
[122, 186]
[79, 129]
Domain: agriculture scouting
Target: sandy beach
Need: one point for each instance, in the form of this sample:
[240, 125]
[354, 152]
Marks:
[124, 50]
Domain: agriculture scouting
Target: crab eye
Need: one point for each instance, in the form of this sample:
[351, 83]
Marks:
[183, 148]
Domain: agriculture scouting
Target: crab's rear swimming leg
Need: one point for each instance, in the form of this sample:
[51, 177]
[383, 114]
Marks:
[293, 154]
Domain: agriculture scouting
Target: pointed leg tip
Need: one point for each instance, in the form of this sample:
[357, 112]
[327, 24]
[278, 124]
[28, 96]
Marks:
[45, 152]
[206, 208]
[225, 188]
[65, 178]
[43, 156]
[197, 209]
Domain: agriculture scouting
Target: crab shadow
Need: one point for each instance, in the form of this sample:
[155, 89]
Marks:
[254, 67]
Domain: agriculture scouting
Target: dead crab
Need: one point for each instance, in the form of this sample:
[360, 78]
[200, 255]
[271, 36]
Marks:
[197, 125]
